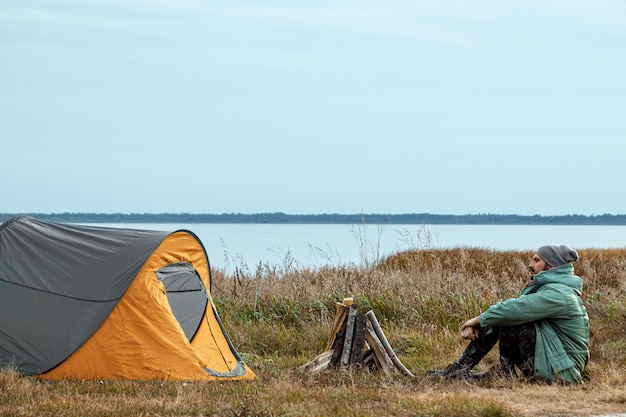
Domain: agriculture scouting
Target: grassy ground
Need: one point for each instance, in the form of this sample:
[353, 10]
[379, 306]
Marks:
[279, 316]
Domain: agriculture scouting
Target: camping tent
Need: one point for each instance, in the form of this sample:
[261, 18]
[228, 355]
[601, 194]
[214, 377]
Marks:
[85, 302]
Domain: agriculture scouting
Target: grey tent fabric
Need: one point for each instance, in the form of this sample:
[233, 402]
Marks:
[89, 268]
[186, 294]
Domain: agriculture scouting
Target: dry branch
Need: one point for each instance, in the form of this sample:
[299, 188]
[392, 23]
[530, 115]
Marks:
[381, 336]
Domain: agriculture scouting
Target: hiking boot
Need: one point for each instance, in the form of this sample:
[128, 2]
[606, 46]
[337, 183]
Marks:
[453, 371]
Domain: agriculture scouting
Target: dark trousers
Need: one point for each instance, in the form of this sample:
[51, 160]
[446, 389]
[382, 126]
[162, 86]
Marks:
[517, 348]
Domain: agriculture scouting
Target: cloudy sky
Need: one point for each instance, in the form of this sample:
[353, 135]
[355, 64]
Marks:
[449, 107]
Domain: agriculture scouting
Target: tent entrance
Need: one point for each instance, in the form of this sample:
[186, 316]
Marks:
[186, 294]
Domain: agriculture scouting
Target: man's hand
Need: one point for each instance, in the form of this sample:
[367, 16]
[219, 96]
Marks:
[470, 329]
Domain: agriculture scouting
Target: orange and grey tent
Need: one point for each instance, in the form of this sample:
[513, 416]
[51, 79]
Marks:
[87, 302]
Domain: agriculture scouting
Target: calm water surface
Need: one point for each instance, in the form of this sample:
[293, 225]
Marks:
[332, 244]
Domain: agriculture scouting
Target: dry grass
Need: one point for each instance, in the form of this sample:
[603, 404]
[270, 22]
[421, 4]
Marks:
[278, 316]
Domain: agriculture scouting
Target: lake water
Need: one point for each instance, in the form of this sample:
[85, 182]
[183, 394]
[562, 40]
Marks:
[315, 245]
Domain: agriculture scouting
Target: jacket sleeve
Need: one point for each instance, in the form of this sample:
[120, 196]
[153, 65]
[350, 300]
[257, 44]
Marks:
[545, 303]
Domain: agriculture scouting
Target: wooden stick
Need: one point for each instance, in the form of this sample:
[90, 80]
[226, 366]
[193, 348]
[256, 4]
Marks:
[358, 339]
[394, 358]
[385, 343]
[341, 312]
[337, 347]
[381, 355]
[321, 362]
[347, 343]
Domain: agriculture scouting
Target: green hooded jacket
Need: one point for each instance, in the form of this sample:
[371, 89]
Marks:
[553, 302]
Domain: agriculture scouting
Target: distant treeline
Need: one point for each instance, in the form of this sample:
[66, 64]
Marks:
[278, 217]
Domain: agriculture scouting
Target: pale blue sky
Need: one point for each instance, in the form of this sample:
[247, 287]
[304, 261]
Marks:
[510, 107]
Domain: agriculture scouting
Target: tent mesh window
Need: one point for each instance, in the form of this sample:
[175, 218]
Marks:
[186, 294]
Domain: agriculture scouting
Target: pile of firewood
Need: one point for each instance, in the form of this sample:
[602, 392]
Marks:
[356, 339]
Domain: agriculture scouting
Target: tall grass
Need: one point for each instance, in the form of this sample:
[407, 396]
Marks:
[279, 316]
[421, 297]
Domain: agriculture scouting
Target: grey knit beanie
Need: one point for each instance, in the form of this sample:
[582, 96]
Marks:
[557, 255]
